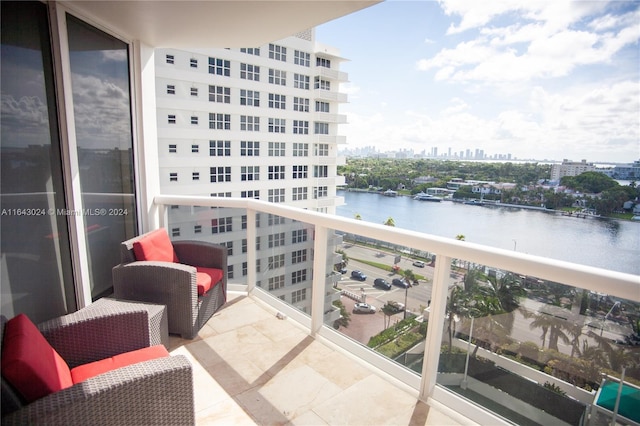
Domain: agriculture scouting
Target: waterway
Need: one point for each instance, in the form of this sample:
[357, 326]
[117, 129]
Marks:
[608, 244]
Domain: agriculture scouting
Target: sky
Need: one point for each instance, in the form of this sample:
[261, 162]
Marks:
[538, 79]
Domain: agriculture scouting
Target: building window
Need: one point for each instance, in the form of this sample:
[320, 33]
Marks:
[220, 174]
[301, 58]
[321, 84]
[276, 149]
[299, 295]
[251, 50]
[249, 173]
[250, 194]
[299, 194]
[229, 246]
[276, 240]
[195, 176]
[250, 72]
[299, 256]
[298, 236]
[300, 127]
[194, 119]
[277, 125]
[301, 81]
[279, 53]
[197, 229]
[321, 149]
[175, 232]
[322, 106]
[220, 195]
[320, 192]
[298, 276]
[300, 149]
[276, 282]
[171, 119]
[195, 148]
[276, 172]
[219, 67]
[249, 149]
[276, 195]
[249, 123]
[276, 261]
[245, 268]
[323, 62]
[300, 172]
[321, 128]
[219, 148]
[249, 97]
[244, 245]
[219, 121]
[229, 271]
[274, 220]
[320, 171]
[193, 63]
[219, 94]
[170, 59]
[301, 104]
[173, 177]
[277, 101]
[278, 77]
[171, 89]
[221, 225]
[194, 91]
[173, 148]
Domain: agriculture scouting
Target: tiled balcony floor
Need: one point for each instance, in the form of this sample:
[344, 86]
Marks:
[253, 368]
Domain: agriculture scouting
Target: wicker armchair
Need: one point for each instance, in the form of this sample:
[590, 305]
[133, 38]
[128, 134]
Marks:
[174, 284]
[157, 391]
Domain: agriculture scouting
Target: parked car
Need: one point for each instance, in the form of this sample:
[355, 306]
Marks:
[358, 275]
[400, 283]
[382, 283]
[364, 308]
[343, 270]
[396, 306]
[418, 263]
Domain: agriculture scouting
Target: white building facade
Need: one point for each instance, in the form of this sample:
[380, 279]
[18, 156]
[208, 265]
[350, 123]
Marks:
[256, 123]
[570, 168]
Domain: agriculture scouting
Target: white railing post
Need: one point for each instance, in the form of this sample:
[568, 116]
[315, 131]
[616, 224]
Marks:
[319, 278]
[437, 313]
[251, 250]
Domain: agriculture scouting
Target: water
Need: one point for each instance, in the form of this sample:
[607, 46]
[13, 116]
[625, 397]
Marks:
[608, 244]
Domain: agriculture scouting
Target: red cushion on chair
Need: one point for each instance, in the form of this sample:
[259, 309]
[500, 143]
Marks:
[203, 281]
[155, 245]
[215, 275]
[87, 371]
[29, 363]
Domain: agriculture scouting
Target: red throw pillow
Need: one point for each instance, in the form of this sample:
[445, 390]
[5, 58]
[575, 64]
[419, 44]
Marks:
[29, 363]
[207, 278]
[155, 245]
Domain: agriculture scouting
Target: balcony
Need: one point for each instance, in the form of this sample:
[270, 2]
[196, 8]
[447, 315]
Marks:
[253, 354]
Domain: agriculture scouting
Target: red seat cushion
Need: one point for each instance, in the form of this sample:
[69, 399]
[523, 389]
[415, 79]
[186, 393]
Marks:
[155, 245]
[29, 363]
[92, 369]
[209, 277]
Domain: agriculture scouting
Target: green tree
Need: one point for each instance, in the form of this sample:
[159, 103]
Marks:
[390, 221]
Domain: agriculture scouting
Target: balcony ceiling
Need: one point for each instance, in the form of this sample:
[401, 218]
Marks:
[212, 23]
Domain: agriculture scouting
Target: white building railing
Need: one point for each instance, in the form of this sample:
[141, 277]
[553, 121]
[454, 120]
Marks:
[621, 285]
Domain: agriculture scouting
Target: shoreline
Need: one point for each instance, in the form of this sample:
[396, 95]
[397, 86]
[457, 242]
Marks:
[506, 205]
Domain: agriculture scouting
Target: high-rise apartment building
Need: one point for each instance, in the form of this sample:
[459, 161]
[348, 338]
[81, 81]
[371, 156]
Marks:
[570, 168]
[257, 122]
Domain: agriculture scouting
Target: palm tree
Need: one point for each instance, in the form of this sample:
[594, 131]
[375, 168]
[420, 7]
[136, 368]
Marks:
[390, 222]
[457, 308]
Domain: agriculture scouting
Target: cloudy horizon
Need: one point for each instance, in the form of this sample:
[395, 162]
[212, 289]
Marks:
[537, 79]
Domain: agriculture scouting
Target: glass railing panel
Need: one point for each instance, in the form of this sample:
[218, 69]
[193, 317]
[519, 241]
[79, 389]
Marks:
[224, 226]
[531, 350]
[385, 290]
[285, 259]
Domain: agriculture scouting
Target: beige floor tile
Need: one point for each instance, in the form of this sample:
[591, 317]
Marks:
[224, 413]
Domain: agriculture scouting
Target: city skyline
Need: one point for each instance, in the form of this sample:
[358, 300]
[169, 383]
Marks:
[542, 80]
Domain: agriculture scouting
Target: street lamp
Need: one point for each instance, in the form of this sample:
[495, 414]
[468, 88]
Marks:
[464, 383]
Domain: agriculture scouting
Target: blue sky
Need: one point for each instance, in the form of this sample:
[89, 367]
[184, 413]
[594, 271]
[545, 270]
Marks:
[538, 79]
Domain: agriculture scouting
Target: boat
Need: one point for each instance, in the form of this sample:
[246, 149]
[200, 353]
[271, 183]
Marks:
[426, 197]
[474, 203]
